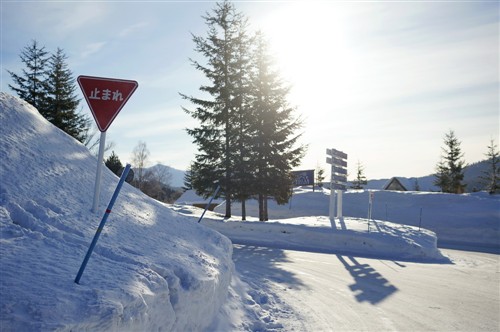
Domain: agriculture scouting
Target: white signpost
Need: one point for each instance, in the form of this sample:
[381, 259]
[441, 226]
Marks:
[338, 180]
[105, 97]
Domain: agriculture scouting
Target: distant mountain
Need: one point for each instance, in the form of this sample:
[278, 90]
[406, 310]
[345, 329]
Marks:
[426, 183]
[177, 176]
[472, 174]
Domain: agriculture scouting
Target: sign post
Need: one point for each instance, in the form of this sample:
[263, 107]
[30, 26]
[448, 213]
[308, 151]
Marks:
[338, 180]
[105, 97]
[100, 159]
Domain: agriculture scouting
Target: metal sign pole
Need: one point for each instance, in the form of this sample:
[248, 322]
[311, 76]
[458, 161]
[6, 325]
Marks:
[332, 198]
[339, 204]
[97, 186]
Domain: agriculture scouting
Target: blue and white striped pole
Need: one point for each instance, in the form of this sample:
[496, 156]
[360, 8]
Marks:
[209, 202]
[103, 221]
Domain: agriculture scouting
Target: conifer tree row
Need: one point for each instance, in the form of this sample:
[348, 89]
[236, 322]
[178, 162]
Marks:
[246, 138]
[48, 84]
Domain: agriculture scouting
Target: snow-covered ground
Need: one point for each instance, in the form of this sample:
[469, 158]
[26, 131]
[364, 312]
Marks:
[152, 269]
[155, 267]
[469, 219]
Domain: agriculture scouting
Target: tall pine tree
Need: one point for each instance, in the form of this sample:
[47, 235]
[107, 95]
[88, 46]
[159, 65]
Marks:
[274, 126]
[48, 85]
[491, 177]
[217, 134]
[32, 84]
[450, 169]
[188, 178]
[320, 176]
[243, 178]
[360, 179]
[61, 102]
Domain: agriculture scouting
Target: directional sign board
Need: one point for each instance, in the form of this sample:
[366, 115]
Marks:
[339, 164]
[106, 97]
[339, 170]
[338, 180]
[336, 186]
[336, 161]
[336, 153]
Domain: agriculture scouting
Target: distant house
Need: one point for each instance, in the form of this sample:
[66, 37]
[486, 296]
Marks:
[190, 198]
[394, 184]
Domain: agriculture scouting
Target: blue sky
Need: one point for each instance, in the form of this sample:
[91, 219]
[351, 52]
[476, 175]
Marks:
[381, 81]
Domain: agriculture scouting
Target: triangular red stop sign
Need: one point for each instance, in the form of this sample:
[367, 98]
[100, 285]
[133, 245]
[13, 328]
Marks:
[106, 97]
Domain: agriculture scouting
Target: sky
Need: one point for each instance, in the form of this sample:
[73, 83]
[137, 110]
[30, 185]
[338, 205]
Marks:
[381, 81]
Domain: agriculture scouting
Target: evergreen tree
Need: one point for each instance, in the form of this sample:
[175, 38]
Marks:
[492, 176]
[114, 163]
[243, 177]
[449, 171]
[32, 84]
[442, 176]
[246, 137]
[320, 176]
[188, 180]
[217, 134]
[48, 85]
[273, 130]
[360, 180]
[61, 102]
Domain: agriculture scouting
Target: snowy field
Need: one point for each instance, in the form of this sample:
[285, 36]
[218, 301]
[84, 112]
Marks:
[156, 268]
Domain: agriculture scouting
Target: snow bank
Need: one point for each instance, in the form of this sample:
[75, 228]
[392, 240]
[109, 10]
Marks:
[467, 219]
[151, 269]
[354, 236]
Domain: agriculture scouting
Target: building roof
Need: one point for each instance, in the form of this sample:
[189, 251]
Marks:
[394, 184]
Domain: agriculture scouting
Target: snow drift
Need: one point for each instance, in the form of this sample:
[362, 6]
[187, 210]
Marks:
[151, 269]
[468, 219]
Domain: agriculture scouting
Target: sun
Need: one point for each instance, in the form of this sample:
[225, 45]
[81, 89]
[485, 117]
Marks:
[311, 49]
[314, 48]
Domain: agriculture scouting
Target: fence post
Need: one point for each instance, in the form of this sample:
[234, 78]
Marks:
[420, 221]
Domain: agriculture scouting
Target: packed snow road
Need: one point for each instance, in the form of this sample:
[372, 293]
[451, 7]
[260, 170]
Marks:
[305, 291]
